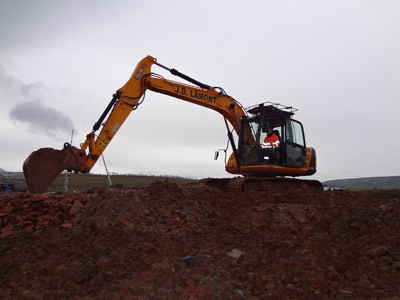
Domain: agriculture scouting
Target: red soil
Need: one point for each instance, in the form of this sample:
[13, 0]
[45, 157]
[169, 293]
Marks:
[196, 242]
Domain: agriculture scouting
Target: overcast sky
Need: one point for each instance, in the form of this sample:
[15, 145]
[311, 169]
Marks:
[336, 61]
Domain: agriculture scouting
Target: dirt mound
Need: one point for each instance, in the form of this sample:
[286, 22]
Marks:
[196, 242]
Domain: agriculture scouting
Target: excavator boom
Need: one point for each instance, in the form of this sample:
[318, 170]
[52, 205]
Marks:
[44, 165]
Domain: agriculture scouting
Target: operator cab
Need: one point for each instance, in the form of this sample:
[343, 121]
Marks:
[290, 149]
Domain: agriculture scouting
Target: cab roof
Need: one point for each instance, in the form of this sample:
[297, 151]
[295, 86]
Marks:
[272, 109]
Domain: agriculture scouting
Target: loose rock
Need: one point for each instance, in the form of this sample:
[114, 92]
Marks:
[195, 242]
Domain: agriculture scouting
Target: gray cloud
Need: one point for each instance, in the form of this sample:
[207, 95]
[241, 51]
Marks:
[41, 119]
[29, 109]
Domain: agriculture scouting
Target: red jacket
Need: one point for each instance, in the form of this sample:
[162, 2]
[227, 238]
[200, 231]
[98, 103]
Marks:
[271, 141]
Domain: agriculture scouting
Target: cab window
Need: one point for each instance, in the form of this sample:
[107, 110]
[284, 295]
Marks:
[295, 144]
[294, 133]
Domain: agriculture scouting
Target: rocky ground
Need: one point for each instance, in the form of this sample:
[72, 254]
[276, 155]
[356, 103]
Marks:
[197, 242]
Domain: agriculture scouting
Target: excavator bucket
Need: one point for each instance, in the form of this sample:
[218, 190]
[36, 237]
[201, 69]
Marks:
[43, 166]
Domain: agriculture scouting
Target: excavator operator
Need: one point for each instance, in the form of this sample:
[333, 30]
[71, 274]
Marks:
[271, 140]
[270, 145]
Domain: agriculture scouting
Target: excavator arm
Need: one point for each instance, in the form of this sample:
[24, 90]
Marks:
[44, 165]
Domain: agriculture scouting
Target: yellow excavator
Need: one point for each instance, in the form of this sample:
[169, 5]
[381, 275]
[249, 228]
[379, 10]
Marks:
[259, 164]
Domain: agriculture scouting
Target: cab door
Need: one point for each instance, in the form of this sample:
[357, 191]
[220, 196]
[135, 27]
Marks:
[295, 145]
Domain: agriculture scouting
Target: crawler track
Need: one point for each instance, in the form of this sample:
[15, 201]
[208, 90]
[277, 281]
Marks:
[243, 184]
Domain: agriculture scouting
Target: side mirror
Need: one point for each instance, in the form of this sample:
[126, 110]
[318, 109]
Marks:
[216, 155]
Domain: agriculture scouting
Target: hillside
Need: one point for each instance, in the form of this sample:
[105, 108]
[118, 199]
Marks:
[386, 182]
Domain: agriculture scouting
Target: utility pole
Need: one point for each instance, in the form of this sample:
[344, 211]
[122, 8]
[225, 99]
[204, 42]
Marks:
[66, 174]
[108, 175]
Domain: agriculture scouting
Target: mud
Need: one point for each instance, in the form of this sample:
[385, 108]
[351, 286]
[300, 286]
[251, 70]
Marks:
[197, 242]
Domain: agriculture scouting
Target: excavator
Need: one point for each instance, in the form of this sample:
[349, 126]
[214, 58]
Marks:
[258, 167]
